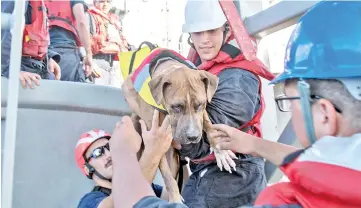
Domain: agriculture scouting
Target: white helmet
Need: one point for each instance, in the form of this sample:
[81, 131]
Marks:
[203, 15]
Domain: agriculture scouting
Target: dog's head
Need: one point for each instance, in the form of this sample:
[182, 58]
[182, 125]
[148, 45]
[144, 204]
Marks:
[184, 93]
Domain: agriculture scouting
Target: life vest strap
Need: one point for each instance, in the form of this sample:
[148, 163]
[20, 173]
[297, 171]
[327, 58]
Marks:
[104, 190]
[151, 47]
[66, 20]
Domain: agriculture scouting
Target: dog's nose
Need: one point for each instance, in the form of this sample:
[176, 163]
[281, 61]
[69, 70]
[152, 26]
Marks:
[192, 132]
[192, 138]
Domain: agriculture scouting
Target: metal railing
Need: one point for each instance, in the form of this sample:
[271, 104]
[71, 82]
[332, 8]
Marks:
[276, 17]
[263, 23]
[11, 111]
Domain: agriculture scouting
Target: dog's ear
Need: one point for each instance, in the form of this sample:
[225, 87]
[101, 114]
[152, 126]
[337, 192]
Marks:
[157, 86]
[211, 83]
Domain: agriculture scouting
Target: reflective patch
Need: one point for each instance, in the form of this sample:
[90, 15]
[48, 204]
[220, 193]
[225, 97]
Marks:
[203, 172]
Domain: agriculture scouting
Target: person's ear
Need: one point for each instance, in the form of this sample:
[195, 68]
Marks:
[325, 118]
[86, 170]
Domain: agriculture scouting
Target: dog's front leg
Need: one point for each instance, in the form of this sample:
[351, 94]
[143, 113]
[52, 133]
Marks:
[170, 182]
[224, 157]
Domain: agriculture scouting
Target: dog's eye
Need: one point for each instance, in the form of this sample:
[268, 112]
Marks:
[199, 107]
[177, 108]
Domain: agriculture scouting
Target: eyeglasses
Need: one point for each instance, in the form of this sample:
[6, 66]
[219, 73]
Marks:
[98, 152]
[284, 102]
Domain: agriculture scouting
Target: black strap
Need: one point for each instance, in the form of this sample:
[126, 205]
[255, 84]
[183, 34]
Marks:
[180, 178]
[168, 54]
[93, 171]
[190, 42]
[180, 172]
[34, 63]
[291, 157]
[104, 190]
[149, 44]
[231, 50]
[226, 30]
[91, 26]
[151, 47]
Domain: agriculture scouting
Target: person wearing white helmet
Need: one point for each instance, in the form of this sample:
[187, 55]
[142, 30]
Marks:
[208, 28]
[93, 157]
[237, 102]
[323, 91]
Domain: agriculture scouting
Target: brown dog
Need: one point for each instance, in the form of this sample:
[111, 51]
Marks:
[184, 93]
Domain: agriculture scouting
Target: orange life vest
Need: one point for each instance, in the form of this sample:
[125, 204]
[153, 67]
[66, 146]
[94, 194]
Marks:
[231, 57]
[331, 179]
[36, 35]
[60, 14]
[100, 38]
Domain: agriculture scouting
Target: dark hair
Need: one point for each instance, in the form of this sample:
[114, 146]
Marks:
[335, 91]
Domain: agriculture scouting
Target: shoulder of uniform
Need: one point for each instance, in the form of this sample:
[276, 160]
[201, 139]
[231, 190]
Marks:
[238, 72]
[90, 197]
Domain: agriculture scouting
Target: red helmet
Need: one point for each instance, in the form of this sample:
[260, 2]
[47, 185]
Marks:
[87, 139]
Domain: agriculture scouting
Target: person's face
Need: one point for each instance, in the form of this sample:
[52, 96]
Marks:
[324, 115]
[103, 5]
[99, 158]
[208, 43]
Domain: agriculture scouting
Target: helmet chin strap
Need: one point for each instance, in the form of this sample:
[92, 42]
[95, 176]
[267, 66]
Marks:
[190, 42]
[304, 90]
[225, 32]
[93, 171]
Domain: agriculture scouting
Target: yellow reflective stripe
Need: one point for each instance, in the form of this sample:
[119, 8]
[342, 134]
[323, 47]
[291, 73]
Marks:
[146, 95]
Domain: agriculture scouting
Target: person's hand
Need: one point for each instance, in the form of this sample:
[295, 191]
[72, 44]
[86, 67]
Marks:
[176, 145]
[88, 64]
[96, 73]
[27, 78]
[158, 139]
[229, 138]
[54, 68]
[125, 137]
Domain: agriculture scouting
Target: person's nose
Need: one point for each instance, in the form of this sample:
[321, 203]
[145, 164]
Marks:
[205, 37]
[106, 152]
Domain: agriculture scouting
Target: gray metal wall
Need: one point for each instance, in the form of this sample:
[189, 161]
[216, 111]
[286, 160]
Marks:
[50, 120]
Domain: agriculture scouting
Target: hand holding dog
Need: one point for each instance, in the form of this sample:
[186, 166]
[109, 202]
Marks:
[159, 138]
[229, 138]
[125, 137]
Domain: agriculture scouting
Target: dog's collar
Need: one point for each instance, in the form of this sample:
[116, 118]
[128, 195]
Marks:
[158, 62]
[167, 55]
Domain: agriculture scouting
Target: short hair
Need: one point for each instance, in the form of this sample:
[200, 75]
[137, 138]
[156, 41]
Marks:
[335, 91]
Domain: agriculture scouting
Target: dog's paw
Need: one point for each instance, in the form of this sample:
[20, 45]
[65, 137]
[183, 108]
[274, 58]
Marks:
[225, 159]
